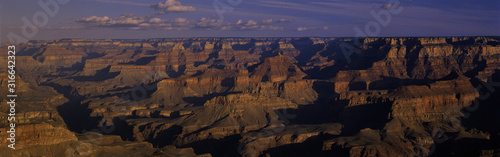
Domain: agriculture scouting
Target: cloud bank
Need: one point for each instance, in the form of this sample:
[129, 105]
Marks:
[153, 22]
[129, 21]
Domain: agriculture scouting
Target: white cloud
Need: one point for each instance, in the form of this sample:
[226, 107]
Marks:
[301, 29]
[125, 20]
[172, 6]
[251, 22]
[155, 20]
[129, 21]
[181, 20]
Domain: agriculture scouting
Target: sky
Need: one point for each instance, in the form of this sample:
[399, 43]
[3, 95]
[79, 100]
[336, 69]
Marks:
[22, 20]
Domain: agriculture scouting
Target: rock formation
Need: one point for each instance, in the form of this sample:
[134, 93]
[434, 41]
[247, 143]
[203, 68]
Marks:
[256, 96]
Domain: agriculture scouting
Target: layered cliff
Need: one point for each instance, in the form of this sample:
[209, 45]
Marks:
[257, 96]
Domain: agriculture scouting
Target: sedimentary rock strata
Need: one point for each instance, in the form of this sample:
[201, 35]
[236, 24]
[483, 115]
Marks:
[257, 96]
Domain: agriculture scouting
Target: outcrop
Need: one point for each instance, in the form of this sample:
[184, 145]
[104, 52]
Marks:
[257, 96]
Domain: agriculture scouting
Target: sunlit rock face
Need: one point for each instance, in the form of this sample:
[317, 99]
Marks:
[257, 96]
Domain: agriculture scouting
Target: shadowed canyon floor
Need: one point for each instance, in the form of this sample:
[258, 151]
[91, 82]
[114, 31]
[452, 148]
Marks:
[257, 97]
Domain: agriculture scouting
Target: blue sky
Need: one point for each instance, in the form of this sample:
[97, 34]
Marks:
[128, 19]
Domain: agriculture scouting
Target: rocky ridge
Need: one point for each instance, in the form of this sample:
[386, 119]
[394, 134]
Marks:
[263, 96]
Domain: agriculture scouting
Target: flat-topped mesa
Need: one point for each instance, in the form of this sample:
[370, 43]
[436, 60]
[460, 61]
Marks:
[58, 56]
[241, 100]
[212, 78]
[239, 42]
[276, 69]
[365, 97]
[263, 43]
[300, 92]
[165, 44]
[432, 41]
[437, 101]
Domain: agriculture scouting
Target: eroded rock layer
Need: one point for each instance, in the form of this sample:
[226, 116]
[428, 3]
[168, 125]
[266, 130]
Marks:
[257, 96]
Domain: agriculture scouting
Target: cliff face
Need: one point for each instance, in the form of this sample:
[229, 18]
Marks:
[41, 131]
[262, 96]
[418, 59]
[435, 101]
[39, 135]
[277, 69]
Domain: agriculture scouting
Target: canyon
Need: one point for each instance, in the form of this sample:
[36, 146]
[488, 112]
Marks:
[421, 96]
